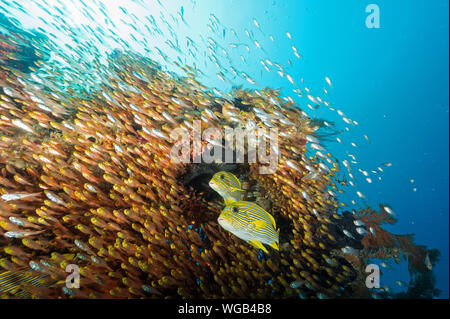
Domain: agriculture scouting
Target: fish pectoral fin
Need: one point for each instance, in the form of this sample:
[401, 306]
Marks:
[228, 201]
[257, 244]
[274, 245]
[258, 224]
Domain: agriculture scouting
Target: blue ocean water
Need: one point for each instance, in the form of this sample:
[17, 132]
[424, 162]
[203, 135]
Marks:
[392, 80]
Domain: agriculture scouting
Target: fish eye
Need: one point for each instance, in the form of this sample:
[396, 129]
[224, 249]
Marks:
[222, 176]
[235, 209]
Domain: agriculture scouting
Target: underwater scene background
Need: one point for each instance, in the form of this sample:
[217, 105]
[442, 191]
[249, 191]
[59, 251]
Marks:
[91, 90]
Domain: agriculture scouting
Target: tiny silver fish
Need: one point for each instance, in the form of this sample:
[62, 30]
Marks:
[348, 234]
[296, 284]
[21, 234]
[349, 250]
[361, 231]
[359, 223]
[17, 196]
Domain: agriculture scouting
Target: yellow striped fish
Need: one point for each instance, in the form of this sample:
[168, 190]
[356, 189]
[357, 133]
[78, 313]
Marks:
[14, 282]
[250, 222]
[228, 186]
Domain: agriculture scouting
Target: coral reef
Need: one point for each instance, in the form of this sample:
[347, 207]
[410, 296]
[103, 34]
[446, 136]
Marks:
[386, 245]
[95, 186]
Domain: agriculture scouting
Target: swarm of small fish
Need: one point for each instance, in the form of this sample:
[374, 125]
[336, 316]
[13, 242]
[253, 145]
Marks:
[86, 178]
